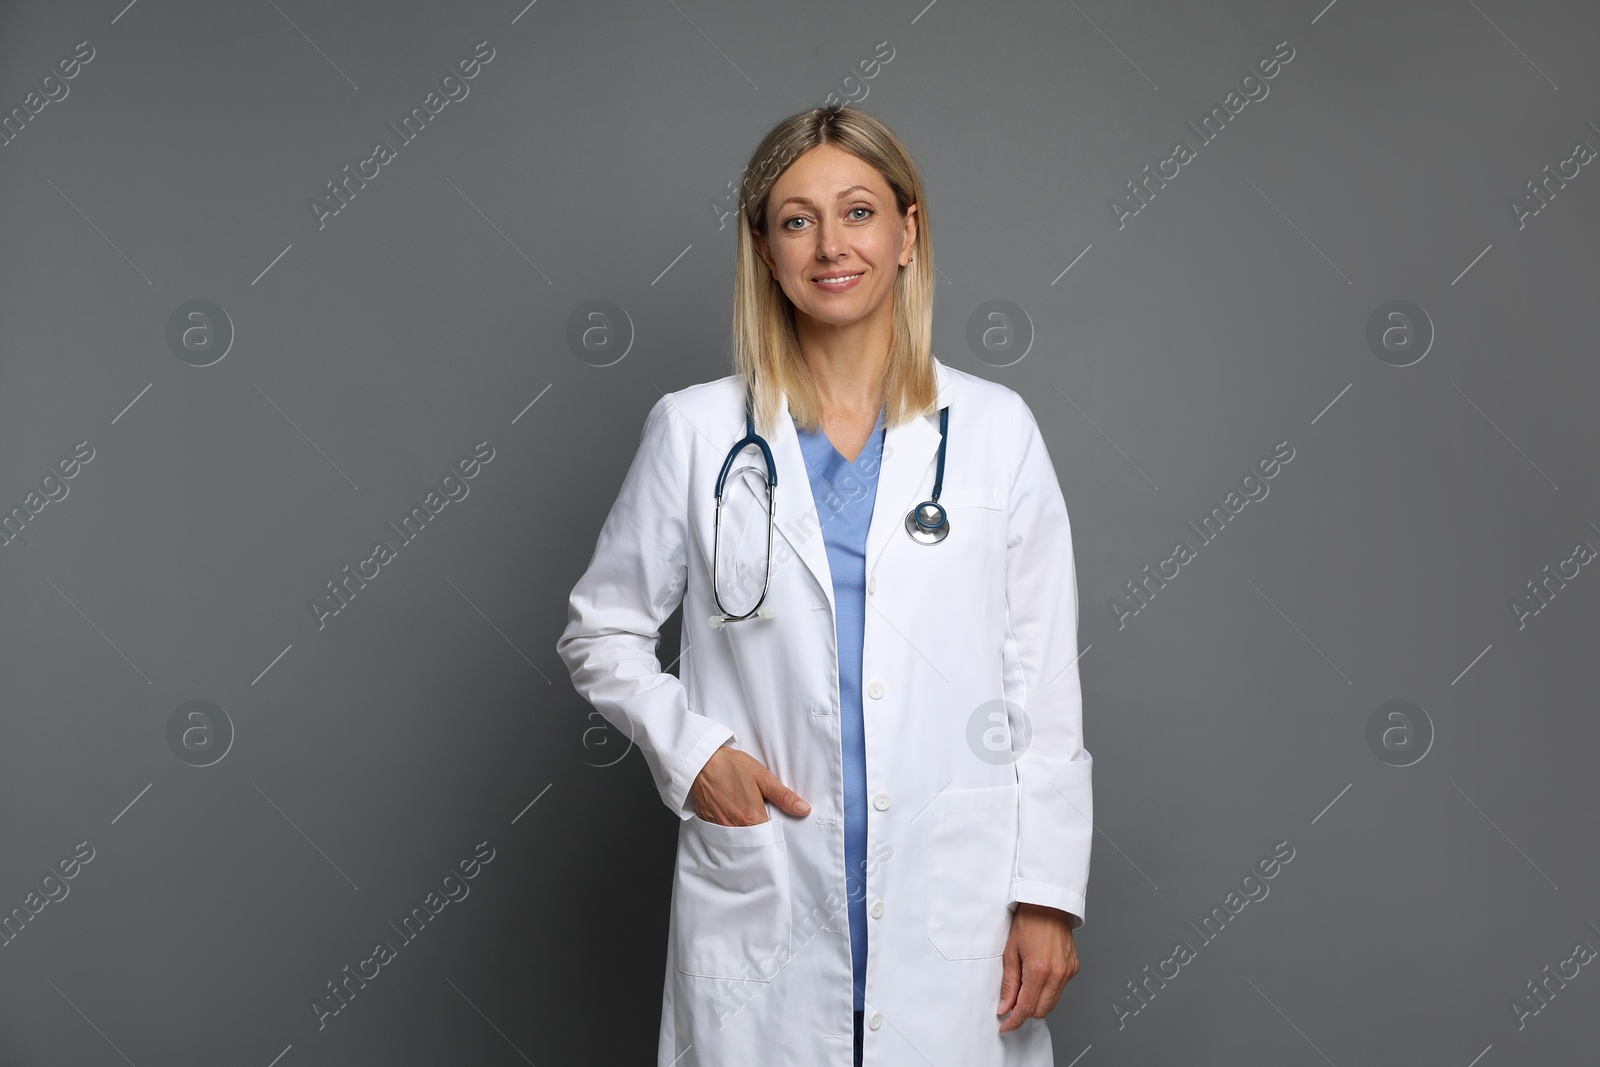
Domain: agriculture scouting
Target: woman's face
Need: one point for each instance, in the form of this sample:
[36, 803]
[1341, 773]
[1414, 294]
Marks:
[830, 215]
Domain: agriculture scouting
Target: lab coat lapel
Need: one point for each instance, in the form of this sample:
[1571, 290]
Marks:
[908, 454]
[797, 516]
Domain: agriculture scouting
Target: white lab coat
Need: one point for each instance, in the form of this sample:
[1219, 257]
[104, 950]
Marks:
[758, 962]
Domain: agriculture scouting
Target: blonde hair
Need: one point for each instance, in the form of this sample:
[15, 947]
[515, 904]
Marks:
[766, 349]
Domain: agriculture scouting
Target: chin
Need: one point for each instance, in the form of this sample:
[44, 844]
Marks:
[837, 316]
[840, 312]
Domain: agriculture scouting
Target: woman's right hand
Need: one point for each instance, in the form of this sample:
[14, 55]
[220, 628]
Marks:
[731, 789]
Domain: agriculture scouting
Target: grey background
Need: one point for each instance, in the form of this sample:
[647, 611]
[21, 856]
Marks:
[432, 713]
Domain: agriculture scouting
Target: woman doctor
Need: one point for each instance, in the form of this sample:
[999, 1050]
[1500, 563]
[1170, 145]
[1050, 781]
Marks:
[874, 742]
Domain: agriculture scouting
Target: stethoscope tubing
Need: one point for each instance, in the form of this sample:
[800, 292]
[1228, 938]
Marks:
[923, 530]
[724, 616]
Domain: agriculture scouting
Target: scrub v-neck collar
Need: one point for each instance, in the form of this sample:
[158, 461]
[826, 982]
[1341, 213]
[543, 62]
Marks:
[831, 464]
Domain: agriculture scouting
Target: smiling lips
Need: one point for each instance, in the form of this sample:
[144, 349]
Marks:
[837, 283]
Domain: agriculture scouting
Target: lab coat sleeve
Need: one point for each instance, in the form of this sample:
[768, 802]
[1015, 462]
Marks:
[1055, 806]
[634, 582]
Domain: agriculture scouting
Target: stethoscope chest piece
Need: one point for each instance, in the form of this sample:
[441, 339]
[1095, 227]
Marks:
[927, 523]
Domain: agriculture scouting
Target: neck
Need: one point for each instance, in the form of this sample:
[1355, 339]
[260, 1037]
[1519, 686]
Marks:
[847, 363]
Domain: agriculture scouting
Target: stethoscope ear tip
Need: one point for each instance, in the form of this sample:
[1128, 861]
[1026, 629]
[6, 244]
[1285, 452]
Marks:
[716, 622]
[767, 611]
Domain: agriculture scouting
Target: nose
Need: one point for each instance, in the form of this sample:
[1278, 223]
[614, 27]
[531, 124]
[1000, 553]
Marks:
[830, 238]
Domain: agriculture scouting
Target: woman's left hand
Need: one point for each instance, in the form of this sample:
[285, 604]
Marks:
[1040, 959]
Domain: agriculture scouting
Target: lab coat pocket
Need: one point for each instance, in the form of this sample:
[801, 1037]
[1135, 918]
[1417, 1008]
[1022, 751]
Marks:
[731, 901]
[986, 497]
[973, 839]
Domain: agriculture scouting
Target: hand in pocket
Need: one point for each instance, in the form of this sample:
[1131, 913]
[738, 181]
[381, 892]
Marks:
[733, 786]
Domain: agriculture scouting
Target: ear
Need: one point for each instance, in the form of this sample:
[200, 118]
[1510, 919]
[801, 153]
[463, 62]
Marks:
[909, 244]
[760, 241]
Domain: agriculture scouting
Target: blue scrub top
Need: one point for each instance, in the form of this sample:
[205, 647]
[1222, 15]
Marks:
[844, 493]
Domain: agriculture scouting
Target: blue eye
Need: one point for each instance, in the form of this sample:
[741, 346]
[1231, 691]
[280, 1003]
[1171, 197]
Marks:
[865, 213]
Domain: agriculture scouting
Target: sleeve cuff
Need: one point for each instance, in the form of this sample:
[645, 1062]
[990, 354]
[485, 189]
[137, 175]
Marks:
[689, 767]
[1048, 895]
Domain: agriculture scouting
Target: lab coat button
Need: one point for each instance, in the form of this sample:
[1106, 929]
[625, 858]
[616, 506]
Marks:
[876, 1020]
[877, 909]
[872, 584]
[881, 801]
[875, 690]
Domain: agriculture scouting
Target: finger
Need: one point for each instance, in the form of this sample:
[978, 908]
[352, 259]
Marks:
[782, 795]
[1072, 970]
[1052, 982]
[1027, 996]
[1010, 978]
[1021, 1007]
[1050, 994]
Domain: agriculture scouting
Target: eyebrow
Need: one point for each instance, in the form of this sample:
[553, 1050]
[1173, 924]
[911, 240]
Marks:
[840, 196]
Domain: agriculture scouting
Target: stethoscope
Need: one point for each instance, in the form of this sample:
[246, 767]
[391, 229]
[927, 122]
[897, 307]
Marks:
[927, 523]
